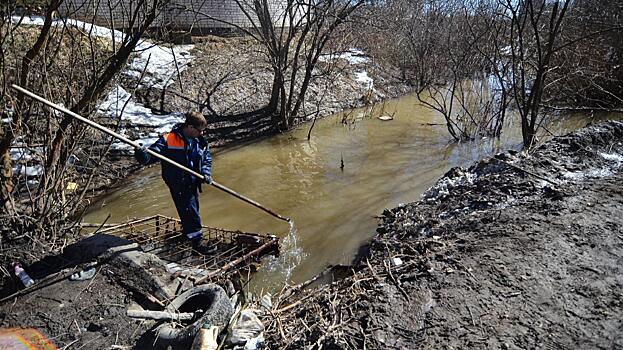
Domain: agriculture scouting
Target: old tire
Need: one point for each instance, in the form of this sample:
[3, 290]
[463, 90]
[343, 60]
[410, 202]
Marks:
[209, 297]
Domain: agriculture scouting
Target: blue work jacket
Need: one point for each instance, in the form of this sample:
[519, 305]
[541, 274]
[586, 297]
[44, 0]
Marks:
[193, 153]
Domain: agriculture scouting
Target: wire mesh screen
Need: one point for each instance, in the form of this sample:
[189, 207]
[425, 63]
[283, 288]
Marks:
[229, 251]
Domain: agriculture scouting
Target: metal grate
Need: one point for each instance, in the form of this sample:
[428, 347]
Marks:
[162, 236]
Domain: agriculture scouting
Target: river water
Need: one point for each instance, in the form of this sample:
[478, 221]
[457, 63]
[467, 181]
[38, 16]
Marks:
[334, 209]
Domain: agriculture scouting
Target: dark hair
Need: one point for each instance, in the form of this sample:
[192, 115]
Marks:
[196, 119]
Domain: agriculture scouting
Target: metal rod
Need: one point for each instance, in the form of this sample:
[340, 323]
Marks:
[155, 154]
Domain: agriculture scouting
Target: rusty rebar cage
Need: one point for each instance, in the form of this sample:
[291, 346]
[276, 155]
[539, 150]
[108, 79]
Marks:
[162, 236]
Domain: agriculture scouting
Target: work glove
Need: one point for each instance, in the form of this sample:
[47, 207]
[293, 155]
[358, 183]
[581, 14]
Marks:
[207, 179]
[141, 154]
[142, 149]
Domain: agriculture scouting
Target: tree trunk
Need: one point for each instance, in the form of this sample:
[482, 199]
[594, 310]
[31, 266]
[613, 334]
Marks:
[94, 91]
[7, 134]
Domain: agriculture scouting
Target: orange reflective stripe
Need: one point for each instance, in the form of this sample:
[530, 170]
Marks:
[174, 141]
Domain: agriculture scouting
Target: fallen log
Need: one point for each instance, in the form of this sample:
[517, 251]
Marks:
[160, 315]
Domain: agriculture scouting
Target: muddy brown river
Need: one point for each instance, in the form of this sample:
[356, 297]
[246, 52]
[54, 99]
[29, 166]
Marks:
[385, 163]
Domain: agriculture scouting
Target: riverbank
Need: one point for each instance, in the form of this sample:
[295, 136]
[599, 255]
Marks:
[491, 254]
[518, 251]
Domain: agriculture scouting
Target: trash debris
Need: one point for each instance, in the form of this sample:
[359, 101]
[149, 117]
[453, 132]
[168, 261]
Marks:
[22, 275]
[217, 311]
[160, 235]
[255, 343]
[396, 261]
[86, 274]
[385, 118]
[247, 328]
[206, 338]
[266, 302]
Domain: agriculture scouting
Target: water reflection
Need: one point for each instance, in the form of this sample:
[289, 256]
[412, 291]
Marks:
[334, 209]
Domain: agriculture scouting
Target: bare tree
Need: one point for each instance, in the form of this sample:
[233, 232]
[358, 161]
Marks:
[587, 70]
[67, 63]
[294, 34]
[535, 27]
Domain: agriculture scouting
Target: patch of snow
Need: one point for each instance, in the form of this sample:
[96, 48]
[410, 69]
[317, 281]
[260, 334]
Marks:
[88, 28]
[20, 153]
[28, 20]
[135, 113]
[162, 63]
[352, 56]
[613, 157]
[575, 175]
[592, 173]
[598, 173]
[32, 183]
[542, 184]
[364, 79]
[148, 141]
[167, 127]
[123, 147]
[28, 170]
[162, 67]
[443, 187]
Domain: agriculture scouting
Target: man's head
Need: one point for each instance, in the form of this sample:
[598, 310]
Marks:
[195, 124]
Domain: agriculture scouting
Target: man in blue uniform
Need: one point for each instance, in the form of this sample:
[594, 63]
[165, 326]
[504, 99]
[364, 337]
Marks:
[186, 146]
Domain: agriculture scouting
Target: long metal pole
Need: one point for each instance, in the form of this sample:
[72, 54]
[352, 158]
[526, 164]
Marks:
[136, 145]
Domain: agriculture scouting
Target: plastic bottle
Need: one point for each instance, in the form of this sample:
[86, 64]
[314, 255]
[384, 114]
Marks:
[206, 338]
[22, 275]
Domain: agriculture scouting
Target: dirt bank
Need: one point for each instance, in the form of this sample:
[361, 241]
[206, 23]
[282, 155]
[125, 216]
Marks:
[518, 251]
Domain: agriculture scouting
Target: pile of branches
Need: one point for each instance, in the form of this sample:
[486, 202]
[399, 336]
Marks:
[354, 312]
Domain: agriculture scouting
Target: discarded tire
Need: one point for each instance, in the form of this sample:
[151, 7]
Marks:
[208, 297]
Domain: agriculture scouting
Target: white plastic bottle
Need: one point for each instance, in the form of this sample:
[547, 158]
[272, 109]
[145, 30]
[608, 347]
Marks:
[22, 275]
[206, 338]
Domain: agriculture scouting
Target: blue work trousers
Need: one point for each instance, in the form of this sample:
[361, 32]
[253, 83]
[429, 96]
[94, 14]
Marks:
[186, 199]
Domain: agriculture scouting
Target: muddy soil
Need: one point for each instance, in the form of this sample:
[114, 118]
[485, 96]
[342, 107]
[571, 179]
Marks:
[91, 313]
[518, 251]
[78, 314]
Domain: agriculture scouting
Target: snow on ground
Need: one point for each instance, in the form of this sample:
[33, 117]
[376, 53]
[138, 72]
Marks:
[127, 149]
[119, 102]
[23, 170]
[20, 153]
[364, 79]
[353, 56]
[160, 63]
[615, 159]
